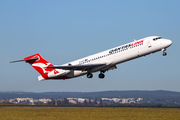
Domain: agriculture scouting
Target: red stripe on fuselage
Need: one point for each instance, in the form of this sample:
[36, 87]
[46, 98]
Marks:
[138, 42]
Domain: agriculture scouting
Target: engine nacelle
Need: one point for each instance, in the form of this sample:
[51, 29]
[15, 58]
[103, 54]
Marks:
[57, 73]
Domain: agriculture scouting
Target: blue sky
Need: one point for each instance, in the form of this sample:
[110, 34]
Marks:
[63, 31]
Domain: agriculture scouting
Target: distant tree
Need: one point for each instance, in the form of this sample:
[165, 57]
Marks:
[85, 102]
[77, 102]
[89, 101]
[52, 102]
[158, 105]
[49, 102]
[95, 100]
[59, 102]
[101, 103]
[65, 101]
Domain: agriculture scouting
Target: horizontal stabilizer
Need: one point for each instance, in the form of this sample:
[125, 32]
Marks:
[24, 60]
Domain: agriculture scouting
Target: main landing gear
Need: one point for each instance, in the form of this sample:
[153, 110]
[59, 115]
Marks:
[101, 75]
[89, 75]
[164, 53]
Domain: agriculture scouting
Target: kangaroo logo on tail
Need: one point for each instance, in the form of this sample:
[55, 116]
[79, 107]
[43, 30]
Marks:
[40, 65]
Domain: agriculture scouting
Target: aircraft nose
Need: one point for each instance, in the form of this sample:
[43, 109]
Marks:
[169, 42]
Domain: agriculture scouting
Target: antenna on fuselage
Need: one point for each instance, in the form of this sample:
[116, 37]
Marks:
[134, 40]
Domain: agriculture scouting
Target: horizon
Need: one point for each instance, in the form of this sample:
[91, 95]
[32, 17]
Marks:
[94, 91]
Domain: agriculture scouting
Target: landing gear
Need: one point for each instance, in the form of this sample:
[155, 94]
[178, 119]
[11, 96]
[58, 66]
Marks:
[101, 75]
[164, 53]
[89, 75]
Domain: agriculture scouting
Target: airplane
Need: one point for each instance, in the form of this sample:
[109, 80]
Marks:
[102, 61]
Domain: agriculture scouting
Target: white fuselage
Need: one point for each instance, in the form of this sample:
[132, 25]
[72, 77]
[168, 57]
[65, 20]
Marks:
[119, 54]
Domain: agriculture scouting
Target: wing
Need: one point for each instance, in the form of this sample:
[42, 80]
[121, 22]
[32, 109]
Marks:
[85, 67]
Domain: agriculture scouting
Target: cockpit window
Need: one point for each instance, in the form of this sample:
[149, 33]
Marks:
[157, 38]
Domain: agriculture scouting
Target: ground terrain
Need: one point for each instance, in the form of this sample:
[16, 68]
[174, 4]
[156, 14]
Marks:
[88, 113]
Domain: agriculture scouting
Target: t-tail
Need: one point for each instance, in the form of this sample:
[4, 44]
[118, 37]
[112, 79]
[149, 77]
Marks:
[40, 64]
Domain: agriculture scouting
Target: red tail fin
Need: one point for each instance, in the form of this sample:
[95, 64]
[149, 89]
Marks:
[40, 64]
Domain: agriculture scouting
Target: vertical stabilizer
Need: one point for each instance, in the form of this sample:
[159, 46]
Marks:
[40, 64]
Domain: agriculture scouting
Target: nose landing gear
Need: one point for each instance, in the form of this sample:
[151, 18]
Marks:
[164, 53]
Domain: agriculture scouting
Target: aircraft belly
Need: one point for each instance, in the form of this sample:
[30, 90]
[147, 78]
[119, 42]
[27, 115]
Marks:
[76, 73]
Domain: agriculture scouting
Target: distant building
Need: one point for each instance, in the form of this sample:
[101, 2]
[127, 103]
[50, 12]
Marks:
[12, 100]
[72, 101]
[23, 100]
[139, 99]
[119, 100]
[44, 100]
[81, 100]
[33, 101]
